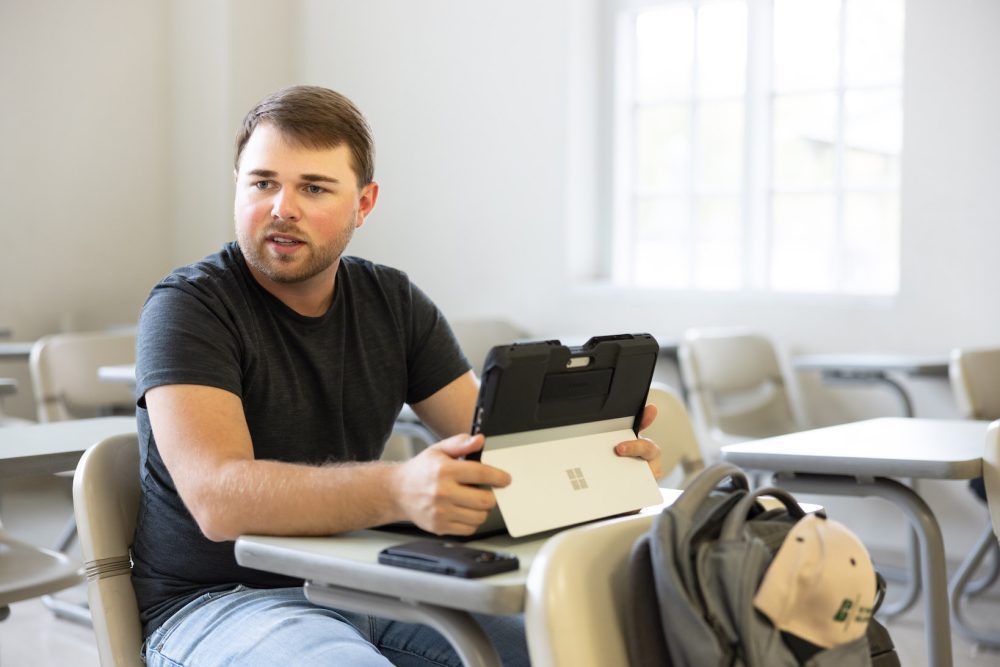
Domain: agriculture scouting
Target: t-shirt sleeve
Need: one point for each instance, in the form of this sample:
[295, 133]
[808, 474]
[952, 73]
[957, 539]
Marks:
[434, 356]
[184, 337]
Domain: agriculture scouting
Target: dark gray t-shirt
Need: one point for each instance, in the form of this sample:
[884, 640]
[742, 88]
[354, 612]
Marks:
[314, 390]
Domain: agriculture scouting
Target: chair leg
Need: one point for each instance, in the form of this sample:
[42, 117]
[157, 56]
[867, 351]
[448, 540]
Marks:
[958, 589]
[78, 612]
[989, 577]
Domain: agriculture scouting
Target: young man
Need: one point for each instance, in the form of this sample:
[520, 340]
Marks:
[270, 375]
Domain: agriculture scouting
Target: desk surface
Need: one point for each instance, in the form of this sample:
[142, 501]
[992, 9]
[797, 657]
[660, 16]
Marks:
[886, 447]
[13, 350]
[124, 374]
[56, 446]
[351, 560]
[901, 363]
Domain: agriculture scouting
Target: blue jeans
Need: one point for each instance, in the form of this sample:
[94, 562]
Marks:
[279, 626]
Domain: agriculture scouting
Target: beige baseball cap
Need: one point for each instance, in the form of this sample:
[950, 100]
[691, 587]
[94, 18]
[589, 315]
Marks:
[821, 584]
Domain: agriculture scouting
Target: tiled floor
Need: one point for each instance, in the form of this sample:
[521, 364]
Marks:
[32, 637]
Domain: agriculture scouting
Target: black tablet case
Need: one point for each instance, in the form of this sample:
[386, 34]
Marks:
[539, 385]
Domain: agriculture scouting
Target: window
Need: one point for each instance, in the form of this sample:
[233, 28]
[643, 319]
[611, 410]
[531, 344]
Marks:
[757, 145]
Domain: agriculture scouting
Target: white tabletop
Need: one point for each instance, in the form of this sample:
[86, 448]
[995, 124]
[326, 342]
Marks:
[123, 374]
[902, 363]
[15, 350]
[54, 446]
[351, 560]
[886, 447]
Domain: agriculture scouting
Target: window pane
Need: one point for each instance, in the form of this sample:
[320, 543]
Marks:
[663, 243]
[720, 145]
[871, 239]
[664, 53]
[873, 137]
[803, 244]
[663, 147]
[719, 245]
[874, 51]
[805, 136]
[722, 46]
[806, 44]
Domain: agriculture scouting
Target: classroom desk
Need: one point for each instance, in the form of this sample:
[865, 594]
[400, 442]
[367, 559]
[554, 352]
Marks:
[15, 350]
[874, 369]
[342, 571]
[122, 374]
[37, 449]
[859, 459]
[49, 448]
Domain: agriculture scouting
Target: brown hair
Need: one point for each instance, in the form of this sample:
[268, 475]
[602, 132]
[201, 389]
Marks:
[317, 118]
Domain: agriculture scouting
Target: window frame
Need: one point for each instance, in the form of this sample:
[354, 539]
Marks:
[758, 179]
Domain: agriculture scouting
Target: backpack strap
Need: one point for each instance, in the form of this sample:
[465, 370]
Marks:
[732, 527]
[702, 486]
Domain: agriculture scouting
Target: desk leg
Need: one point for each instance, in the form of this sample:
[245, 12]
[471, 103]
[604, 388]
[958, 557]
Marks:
[872, 377]
[959, 586]
[467, 637]
[932, 563]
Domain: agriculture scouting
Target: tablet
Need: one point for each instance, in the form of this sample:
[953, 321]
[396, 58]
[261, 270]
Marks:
[552, 415]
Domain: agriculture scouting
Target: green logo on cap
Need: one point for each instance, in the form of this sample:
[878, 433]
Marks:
[842, 613]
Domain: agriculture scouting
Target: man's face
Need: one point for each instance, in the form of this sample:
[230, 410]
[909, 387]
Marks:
[296, 208]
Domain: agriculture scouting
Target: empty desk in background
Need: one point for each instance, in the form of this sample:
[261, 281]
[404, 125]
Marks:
[874, 369]
[15, 350]
[859, 459]
[39, 449]
[123, 374]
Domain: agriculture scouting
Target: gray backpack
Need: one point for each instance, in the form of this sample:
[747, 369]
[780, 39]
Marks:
[693, 577]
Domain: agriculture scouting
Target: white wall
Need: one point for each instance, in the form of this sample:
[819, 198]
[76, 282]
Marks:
[117, 125]
[485, 114]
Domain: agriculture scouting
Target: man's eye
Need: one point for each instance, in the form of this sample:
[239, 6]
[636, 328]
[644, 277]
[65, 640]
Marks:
[314, 189]
[262, 185]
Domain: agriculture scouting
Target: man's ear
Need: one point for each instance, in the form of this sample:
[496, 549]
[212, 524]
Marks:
[236, 175]
[366, 202]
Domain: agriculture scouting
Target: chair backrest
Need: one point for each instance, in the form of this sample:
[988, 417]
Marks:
[106, 503]
[577, 592]
[477, 337]
[8, 386]
[736, 386]
[673, 432]
[64, 374]
[975, 381]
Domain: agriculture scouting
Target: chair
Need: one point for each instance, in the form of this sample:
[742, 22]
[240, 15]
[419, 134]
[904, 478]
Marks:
[63, 371]
[672, 431]
[576, 594]
[477, 336]
[64, 374]
[975, 380]
[106, 503]
[736, 387]
[8, 386]
[27, 571]
[991, 476]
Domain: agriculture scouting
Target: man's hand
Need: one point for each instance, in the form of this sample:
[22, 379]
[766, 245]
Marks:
[439, 493]
[643, 448]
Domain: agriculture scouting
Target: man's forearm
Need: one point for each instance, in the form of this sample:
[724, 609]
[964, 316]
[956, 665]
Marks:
[275, 498]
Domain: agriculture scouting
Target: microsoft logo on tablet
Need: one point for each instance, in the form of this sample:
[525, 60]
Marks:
[577, 479]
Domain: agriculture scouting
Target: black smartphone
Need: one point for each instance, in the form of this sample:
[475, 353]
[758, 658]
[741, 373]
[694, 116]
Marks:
[446, 557]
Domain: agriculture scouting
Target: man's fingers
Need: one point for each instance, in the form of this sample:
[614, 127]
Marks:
[479, 474]
[648, 417]
[641, 448]
[461, 445]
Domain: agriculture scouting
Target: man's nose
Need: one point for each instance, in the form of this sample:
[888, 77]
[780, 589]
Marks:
[286, 206]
